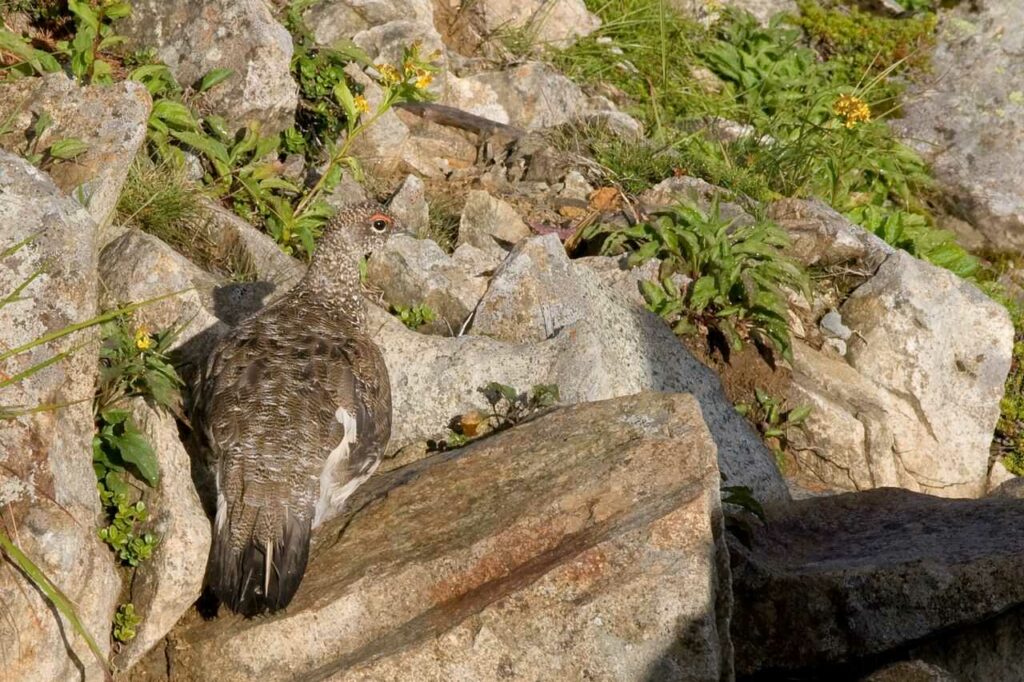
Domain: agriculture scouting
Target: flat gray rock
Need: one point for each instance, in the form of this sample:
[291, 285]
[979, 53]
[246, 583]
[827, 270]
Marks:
[833, 579]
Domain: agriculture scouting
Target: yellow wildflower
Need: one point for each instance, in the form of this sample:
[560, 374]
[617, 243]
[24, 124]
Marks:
[362, 105]
[143, 341]
[852, 110]
[389, 74]
[423, 78]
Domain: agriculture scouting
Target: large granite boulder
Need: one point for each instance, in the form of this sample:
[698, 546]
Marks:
[163, 588]
[546, 23]
[110, 120]
[47, 486]
[193, 37]
[586, 544]
[967, 117]
[911, 396]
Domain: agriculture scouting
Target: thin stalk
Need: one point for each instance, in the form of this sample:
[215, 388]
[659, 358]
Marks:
[79, 326]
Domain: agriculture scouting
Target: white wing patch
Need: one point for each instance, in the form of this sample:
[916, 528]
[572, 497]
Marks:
[222, 504]
[337, 459]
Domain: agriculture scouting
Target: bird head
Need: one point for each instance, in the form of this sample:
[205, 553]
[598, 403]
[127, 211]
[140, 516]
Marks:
[362, 229]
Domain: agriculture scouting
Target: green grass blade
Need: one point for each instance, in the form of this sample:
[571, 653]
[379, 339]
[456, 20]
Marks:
[85, 324]
[56, 597]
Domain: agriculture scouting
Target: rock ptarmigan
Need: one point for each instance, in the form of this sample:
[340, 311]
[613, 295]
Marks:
[295, 404]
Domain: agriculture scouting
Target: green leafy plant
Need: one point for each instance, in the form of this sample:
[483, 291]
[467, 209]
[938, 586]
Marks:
[814, 90]
[733, 274]
[244, 169]
[134, 362]
[21, 58]
[510, 406]
[774, 422]
[126, 621]
[120, 447]
[415, 316]
[318, 70]
[1008, 442]
[912, 233]
[131, 545]
[860, 46]
[64, 149]
[94, 33]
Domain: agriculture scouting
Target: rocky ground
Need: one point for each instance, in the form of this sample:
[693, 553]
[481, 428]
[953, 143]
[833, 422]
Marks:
[665, 514]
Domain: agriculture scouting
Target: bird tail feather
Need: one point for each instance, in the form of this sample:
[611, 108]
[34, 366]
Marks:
[256, 565]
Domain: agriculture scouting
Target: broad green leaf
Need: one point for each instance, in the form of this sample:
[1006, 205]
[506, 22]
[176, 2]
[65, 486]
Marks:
[798, 415]
[43, 122]
[67, 148]
[136, 450]
[652, 292]
[213, 149]
[85, 13]
[117, 10]
[214, 77]
[113, 415]
[701, 293]
[111, 41]
[344, 98]
[175, 114]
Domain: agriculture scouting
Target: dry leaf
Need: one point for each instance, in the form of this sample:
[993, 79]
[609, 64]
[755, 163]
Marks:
[605, 199]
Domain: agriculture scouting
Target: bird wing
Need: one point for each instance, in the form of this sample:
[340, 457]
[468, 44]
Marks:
[296, 415]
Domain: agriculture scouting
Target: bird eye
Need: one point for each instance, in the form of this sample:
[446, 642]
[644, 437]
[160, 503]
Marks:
[379, 222]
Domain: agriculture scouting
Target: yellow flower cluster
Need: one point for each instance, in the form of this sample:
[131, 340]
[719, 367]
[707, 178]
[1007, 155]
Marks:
[143, 341]
[423, 78]
[389, 74]
[362, 106]
[852, 110]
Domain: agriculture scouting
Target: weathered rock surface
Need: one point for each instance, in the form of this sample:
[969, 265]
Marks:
[912, 671]
[139, 267]
[614, 346]
[583, 545]
[111, 120]
[193, 37]
[532, 95]
[547, 23]
[862, 573]
[490, 224]
[987, 651]
[411, 272]
[763, 10]
[47, 486]
[258, 254]
[921, 332]
[165, 587]
[821, 237]
[968, 119]
[409, 205]
[919, 340]
[382, 29]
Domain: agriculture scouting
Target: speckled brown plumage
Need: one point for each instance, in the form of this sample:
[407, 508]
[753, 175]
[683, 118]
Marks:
[296, 406]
